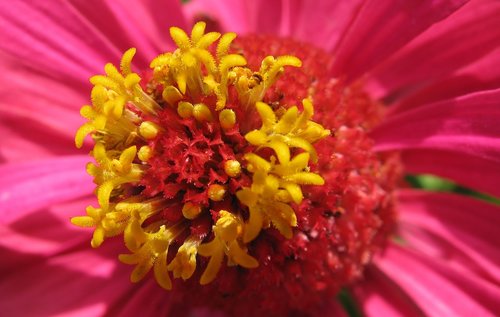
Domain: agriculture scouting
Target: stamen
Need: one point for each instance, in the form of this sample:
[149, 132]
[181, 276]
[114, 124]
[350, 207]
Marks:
[185, 109]
[232, 168]
[227, 119]
[227, 231]
[149, 130]
[171, 95]
[202, 113]
[190, 210]
[145, 153]
[216, 192]
[184, 263]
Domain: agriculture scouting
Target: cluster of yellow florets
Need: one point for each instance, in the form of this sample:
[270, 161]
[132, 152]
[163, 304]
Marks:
[122, 153]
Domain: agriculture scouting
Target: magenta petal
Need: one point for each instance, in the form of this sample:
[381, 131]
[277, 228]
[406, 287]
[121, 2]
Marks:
[383, 27]
[40, 105]
[230, 15]
[46, 232]
[240, 16]
[50, 37]
[465, 37]
[76, 38]
[67, 284]
[468, 124]
[25, 139]
[465, 228]
[468, 170]
[380, 296]
[321, 22]
[16, 143]
[264, 16]
[27, 187]
[479, 76]
[438, 289]
[142, 24]
[148, 300]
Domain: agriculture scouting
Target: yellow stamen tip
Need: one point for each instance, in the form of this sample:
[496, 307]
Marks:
[184, 263]
[145, 153]
[224, 44]
[126, 61]
[198, 31]
[202, 113]
[232, 168]
[227, 119]
[132, 80]
[171, 95]
[190, 210]
[83, 221]
[227, 226]
[216, 192]
[185, 109]
[180, 38]
[149, 130]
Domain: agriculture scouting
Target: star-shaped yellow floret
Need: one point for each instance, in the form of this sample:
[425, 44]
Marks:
[227, 235]
[277, 182]
[113, 170]
[293, 129]
[149, 247]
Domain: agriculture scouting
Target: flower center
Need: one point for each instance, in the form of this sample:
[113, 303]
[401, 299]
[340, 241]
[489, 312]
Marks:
[216, 167]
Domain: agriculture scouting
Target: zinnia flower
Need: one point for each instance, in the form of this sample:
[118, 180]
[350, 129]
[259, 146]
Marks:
[259, 172]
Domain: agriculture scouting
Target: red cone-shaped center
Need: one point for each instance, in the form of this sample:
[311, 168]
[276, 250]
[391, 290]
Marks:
[340, 225]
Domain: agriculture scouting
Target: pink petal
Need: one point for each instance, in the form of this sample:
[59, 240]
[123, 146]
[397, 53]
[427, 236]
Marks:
[381, 28]
[46, 232]
[148, 299]
[38, 109]
[264, 16]
[48, 53]
[479, 76]
[16, 144]
[468, 124]
[142, 24]
[240, 16]
[68, 284]
[436, 246]
[379, 296]
[30, 186]
[39, 114]
[321, 22]
[75, 39]
[53, 39]
[26, 87]
[463, 38]
[48, 263]
[436, 288]
[230, 15]
[465, 228]
[468, 170]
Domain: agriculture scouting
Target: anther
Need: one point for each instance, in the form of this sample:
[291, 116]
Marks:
[149, 130]
[171, 95]
[216, 192]
[190, 210]
[202, 113]
[227, 119]
[232, 168]
[185, 109]
[145, 153]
